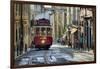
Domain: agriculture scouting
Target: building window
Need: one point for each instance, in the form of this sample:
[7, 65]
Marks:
[17, 9]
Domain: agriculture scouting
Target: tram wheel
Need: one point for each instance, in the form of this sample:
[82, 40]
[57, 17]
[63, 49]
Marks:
[47, 48]
[39, 48]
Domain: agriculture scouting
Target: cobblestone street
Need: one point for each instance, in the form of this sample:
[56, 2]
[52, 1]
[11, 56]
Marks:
[57, 54]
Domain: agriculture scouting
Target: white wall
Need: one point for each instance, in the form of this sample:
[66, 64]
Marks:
[5, 34]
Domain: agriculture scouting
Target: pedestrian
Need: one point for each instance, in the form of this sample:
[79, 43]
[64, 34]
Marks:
[81, 41]
[21, 47]
[25, 47]
[70, 44]
[76, 43]
[17, 49]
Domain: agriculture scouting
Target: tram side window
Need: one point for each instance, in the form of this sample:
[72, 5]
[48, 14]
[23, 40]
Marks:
[37, 31]
[43, 31]
[49, 31]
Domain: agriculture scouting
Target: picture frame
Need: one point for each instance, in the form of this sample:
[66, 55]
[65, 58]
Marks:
[28, 16]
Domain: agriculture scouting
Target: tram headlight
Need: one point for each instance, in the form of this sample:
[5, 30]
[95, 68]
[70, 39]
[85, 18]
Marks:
[43, 41]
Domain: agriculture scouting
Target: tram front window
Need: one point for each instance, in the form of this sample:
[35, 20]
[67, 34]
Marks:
[37, 31]
[43, 31]
[48, 31]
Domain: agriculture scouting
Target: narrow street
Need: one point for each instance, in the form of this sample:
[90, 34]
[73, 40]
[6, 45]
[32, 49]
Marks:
[57, 54]
[46, 34]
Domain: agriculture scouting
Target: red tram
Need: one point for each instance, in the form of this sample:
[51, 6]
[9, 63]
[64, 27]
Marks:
[43, 34]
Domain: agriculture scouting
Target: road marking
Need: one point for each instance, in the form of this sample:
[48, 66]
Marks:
[40, 59]
[24, 61]
[52, 58]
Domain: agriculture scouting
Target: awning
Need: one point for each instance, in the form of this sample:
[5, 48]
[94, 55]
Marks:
[73, 30]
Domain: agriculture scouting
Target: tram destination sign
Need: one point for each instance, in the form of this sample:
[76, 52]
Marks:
[42, 22]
